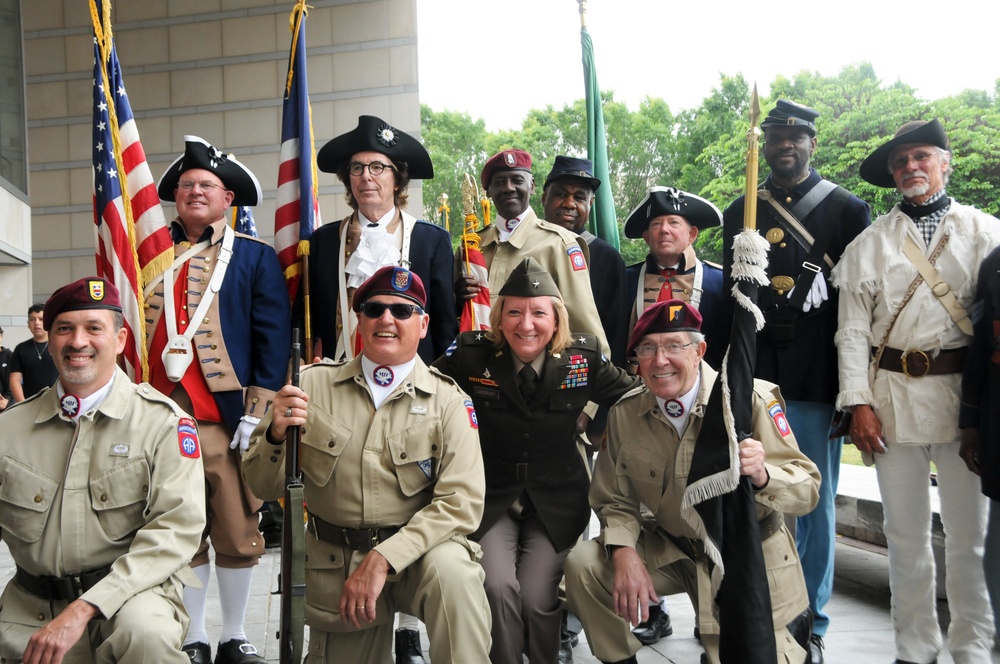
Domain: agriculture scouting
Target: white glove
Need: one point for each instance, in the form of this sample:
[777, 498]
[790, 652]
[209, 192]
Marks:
[241, 438]
[817, 293]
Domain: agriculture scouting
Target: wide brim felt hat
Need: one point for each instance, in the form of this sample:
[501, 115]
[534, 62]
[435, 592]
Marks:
[875, 168]
[374, 134]
[199, 153]
[660, 201]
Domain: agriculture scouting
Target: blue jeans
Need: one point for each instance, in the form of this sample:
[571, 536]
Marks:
[992, 553]
[815, 533]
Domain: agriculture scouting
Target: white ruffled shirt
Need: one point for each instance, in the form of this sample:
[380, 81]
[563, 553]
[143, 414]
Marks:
[376, 248]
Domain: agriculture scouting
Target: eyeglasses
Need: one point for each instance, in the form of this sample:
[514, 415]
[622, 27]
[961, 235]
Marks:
[207, 187]
[671, 350]
[357, 169]
[399, 311]
[899, 162]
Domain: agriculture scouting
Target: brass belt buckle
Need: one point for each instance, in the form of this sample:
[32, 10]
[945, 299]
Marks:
[906, 365]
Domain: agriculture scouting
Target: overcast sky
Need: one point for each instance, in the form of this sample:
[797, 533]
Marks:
[496, 59]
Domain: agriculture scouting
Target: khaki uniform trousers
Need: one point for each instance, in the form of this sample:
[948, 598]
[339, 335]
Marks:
[590, 578]
[443, 588]
[232, 507]
[149, 627]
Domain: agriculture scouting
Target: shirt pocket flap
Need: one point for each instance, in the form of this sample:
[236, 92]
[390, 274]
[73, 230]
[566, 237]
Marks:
[323, 441]
[26, 494]
[119, 496]
[416, 453]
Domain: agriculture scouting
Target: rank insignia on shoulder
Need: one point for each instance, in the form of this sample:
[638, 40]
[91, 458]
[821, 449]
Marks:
[576, 258]
[187, 438]
[471, 410]
[780, 421]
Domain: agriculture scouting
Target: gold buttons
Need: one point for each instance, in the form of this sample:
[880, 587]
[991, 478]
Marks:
[38, 499]
[782, 245]
[104, 497]
[788, 199]
[403, 455]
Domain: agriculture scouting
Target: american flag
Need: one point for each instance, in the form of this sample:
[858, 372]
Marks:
[476, 312]
[243, 221]
[133, 242]
[297, 209]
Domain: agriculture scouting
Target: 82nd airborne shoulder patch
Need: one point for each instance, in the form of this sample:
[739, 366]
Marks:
[187, 438]
[780, 421]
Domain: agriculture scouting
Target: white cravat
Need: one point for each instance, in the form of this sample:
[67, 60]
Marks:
[376, 248]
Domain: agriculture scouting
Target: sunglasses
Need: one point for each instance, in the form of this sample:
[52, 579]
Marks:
[398, 310]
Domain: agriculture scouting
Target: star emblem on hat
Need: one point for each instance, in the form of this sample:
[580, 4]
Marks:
[536, 283]
[582, 339]
[386, 135]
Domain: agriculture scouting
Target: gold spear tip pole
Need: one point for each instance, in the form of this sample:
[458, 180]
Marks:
[754, 108]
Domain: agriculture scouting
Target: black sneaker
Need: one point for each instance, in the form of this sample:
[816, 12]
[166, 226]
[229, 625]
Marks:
[654, 627]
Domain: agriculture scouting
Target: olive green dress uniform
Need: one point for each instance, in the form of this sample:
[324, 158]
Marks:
[646, 463]
[413, 464]
[113, 490]
[555, 249]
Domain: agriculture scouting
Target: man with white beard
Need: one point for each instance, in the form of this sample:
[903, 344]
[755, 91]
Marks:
[906, 291]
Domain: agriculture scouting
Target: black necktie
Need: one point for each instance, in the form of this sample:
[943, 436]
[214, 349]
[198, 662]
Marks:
[529, 382]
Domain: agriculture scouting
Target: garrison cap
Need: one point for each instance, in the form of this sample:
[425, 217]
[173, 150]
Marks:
[373, 134]
[789, 114]
[86, 293]
[529, 279]
[199, 153]
[660, 201]
[392, 280]
[665, 316]
[513, 159]
[875, 167]
[573, 167]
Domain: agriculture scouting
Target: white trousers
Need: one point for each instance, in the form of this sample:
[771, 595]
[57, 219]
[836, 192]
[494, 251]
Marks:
[903, 480]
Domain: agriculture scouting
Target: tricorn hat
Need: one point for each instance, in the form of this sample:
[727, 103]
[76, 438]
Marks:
[86, 293]
[376, 135]
[664, 316]
[787, 113]
[875, 167]
[667, 200]
[199, 153]
[573, 167]
[529, 279]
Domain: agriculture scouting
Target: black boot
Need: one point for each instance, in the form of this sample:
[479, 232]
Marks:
[630, 660]
[408, 647]
[654, 627]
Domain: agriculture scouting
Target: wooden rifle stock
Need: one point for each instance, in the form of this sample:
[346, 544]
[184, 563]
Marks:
[292, 578]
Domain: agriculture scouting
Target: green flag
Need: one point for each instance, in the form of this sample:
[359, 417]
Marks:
[603, 222]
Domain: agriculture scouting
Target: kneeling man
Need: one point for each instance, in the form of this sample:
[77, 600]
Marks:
[652, 435]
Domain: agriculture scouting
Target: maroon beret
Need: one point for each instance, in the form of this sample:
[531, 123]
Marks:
[665, 316]
[87, 293]
[505, 160]
[392, 280]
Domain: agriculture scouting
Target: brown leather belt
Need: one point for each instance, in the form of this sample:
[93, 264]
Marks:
[695, 548]
[362, 539]
[69, 587]
[919, 363]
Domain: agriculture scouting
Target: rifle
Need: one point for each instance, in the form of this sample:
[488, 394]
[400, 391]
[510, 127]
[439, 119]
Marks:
[292, 580]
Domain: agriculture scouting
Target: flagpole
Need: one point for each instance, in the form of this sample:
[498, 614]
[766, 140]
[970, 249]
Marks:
[104, 41]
